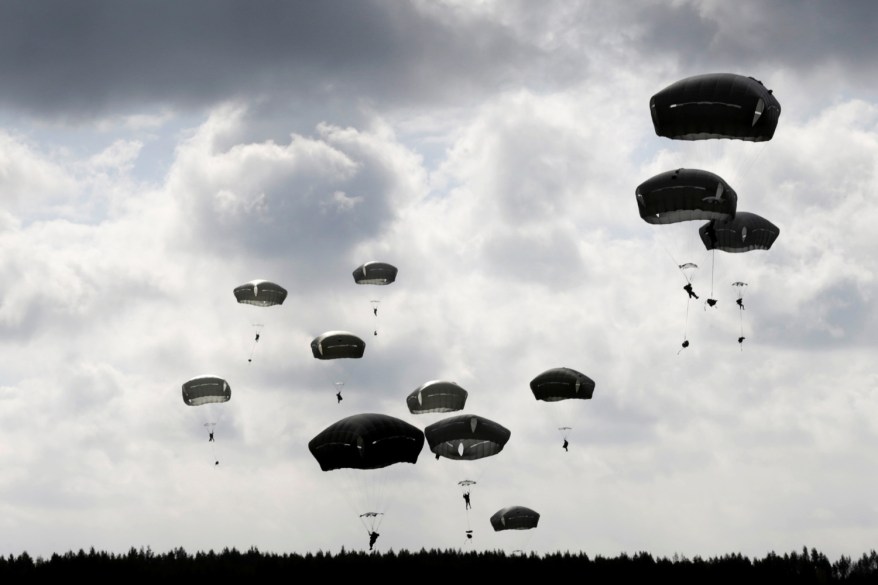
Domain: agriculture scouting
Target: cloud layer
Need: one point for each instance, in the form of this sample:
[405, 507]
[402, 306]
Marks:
[153, 159]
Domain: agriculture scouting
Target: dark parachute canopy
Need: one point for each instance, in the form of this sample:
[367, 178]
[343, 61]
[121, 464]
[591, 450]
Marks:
[261, 293]
[715, 105]
[436, 396]
[684, 195]
[746, 232]
[515, 518]
[466, 436]
[206, 390]
[337, 344]
[562, 384]
[375, 273]
[366, 441]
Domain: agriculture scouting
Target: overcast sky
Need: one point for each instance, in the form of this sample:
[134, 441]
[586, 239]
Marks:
[154, 155]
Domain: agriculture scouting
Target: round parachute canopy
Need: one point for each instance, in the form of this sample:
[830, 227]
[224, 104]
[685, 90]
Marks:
[515, 518]
[562, 384]
[261, 293]
[206, 390]
[337, 344]
[467, 437]
[375, 273]
[436, 396]
[367, 441]
[684, 195]
[746, 232]
[715, 105]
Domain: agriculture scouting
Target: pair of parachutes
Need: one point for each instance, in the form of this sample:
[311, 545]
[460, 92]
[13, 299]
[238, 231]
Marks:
[209, 391]
[332, 345]
[693, 194]
[359, 447]
[264, 293]
[374, 441]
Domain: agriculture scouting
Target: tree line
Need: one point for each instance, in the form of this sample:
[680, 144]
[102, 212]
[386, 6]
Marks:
[431, 565]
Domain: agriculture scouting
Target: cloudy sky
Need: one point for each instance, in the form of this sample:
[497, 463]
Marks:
[154, 155]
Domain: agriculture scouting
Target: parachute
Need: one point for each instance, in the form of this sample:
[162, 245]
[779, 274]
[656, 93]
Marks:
[514, 518]
[466, 437]
[436, 396]
[379, 273]
[207, 393]
[557, 384]
[562, 384]
[519, 519]
[374, 272]
[371, 521]
[715, 105]
[469, 439]
[360, 447]
[206, 390]
[337, 344]
[678, 197]
[683, 195]
[746, 232]
[259, 293]
[366, 441]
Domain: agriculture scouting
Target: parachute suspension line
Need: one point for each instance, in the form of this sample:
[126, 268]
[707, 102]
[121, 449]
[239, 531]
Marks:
[558, 418]
[371, 521]
[711, 301]
[746, 163]
[213, 453]
[712, 266]
[677, 264]
[365, 492]
[685, 328]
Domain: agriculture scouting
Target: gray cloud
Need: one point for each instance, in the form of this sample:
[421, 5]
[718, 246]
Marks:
[61, 60]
